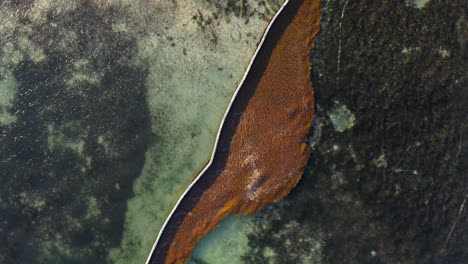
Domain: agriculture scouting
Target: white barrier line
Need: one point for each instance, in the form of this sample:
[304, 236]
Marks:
[219, 130]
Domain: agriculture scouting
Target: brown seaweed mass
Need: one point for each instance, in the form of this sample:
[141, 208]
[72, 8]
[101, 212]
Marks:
[262, 150]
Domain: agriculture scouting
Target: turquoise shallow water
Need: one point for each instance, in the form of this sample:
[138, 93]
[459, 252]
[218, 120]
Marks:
[266, 237]
[227, 244]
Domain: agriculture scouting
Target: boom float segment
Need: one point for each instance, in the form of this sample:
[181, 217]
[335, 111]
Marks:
[262, 150]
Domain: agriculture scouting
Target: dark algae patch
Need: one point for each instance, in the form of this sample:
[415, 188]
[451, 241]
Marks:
[387, 177]
[68, 162]
[244, 8]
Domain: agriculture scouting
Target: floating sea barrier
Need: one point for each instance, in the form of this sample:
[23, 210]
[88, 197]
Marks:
[261, 148]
